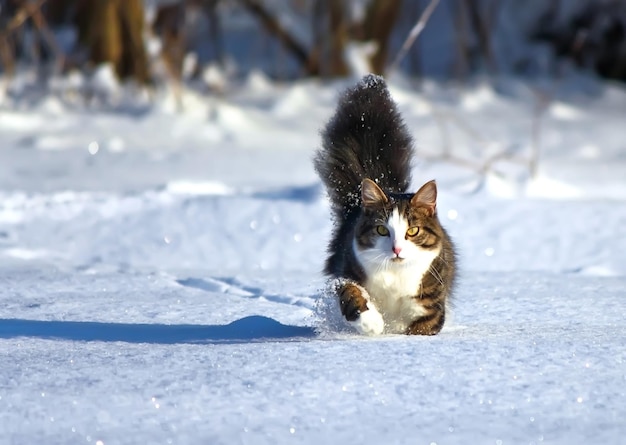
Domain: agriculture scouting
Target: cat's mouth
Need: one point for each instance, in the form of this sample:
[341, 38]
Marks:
[397, 259]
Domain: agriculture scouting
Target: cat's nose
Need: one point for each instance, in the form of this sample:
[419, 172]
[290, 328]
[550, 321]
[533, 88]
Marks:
[397, 250]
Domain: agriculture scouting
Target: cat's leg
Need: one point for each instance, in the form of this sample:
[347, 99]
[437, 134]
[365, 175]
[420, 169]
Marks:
[432, 297]
[429, 323]
[359, 311]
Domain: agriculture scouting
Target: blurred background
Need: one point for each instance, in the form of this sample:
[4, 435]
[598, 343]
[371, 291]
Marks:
[206, 43]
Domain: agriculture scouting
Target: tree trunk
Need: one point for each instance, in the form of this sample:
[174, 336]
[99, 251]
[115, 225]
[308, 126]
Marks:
[134, 61]
[169, 25]
[479, 22]
[379, 22]
[112, 31]
[338, 38]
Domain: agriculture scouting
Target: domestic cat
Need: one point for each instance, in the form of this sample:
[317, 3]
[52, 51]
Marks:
[392, 262]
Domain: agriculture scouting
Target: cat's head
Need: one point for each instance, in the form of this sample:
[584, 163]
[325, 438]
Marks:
[397, 229]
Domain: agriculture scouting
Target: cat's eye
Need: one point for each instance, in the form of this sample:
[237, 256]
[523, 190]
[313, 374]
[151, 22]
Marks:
[382, 230]
[412, 231]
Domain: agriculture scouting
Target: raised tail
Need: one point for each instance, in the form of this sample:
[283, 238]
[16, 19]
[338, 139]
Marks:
[366, 138]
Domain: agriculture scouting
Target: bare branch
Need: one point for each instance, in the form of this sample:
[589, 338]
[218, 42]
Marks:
[26, 11]
[22, 15]
[6, 55]
[379, 22]
[274, 27]
[43, 28]
[415, 32]
[541, 104]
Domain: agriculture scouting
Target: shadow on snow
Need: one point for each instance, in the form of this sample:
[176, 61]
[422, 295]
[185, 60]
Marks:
[306, 193]
[246, 330]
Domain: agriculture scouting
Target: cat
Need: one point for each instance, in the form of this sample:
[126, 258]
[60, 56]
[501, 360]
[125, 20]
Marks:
[393, 265]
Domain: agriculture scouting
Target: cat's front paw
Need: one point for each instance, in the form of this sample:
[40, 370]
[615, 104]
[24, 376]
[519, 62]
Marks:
[358, 310]
[370, 322]
[352, 300]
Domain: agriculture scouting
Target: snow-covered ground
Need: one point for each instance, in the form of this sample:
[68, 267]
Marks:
[161, 276]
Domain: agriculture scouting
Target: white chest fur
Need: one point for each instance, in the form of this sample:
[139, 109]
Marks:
[393, 291]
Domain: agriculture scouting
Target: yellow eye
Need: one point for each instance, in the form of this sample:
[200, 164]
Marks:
[382, 230]
[412, 231]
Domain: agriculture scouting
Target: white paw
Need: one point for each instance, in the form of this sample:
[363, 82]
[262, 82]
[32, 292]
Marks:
[370, 322]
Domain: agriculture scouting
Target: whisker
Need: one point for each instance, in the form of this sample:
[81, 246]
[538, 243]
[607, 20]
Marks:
[384, 264]
[444, 260]
[379, 259]
[435, 273]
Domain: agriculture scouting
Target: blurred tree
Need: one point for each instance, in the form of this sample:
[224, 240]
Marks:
[334, 28]
[169, 25]
[338, 35]
[482, 20]
[112, 31]
[15, 16]
[274, 26]
[8, 21]
[379, 21]
[320, 37]
[594, 36]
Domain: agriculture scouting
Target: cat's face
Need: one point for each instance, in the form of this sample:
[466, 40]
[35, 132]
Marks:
[397, 230]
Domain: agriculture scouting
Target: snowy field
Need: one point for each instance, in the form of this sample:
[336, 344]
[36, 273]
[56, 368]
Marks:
[161, 279]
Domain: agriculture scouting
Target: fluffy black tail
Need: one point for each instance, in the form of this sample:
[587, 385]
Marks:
[366, 138]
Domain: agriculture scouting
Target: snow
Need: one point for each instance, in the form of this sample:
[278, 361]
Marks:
[161, 272]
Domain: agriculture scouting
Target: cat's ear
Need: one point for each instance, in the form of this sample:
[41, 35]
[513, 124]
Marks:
[426, 197]
[371, 194]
